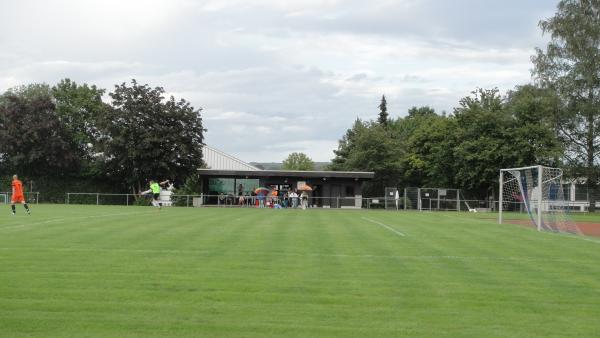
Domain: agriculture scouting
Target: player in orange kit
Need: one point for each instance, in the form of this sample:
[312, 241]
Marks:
[17, 195]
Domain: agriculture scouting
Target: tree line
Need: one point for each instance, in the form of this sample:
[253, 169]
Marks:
[66, 133]
[464, 149]
[554, 121]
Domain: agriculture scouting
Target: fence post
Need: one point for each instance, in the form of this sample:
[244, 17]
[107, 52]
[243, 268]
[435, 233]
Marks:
[187, 202]
[405, 199]
[500, 198]
[97, 198]
[457, 199]
[127, 199]
[68, 199]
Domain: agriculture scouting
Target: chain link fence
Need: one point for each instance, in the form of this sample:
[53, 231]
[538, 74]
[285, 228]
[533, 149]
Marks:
[222, 200]
[32, 197]
[433, 199]
[406, 199]
[418, 199]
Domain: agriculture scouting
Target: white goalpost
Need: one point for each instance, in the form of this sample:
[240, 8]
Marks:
[537, 191]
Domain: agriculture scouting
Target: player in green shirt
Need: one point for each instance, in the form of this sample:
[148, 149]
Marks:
[155, 190]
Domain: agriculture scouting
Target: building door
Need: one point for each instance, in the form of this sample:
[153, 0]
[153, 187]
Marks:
[336, 193]
[317, 196]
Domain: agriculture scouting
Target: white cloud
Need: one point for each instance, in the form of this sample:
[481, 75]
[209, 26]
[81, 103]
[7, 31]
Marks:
[274, 76]
[317, 150]
[230, 116]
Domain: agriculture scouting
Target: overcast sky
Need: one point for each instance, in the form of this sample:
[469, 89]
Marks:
[274, 77]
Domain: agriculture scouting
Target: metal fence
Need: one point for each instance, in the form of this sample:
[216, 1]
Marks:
[432, 199]
[439, 199]
[407, 199]
[30, 197]
[406, 202]
[130, 199]
[418, 199]
[100, 198]
[203, 200]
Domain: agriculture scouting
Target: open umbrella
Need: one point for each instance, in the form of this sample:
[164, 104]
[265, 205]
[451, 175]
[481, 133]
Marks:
[262, 190]
[305, 188]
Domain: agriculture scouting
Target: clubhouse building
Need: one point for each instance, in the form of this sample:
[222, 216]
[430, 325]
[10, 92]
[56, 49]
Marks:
[227, 177]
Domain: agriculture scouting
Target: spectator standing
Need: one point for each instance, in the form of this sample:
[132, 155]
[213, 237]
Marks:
[294, 197]
[304, 200]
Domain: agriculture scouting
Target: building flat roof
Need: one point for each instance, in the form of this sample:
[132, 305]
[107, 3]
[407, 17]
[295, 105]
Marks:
[286, 173]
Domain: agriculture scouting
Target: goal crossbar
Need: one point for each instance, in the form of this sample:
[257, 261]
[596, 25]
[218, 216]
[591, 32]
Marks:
[522, 168]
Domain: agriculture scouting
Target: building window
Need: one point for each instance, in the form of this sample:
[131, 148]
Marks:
[349, 190]
[248, 184]
[226, 185]
[220, 185]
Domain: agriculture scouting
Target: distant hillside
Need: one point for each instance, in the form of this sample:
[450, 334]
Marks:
[277, 165]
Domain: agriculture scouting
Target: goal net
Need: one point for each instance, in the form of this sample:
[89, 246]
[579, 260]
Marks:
[537, 191]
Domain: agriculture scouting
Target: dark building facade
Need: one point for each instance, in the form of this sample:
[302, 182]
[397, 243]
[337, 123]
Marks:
[330, 189]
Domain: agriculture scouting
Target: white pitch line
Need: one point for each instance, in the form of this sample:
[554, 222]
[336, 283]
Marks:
[385, 226]
[70, 218]
[36, 223]
[573, 236]
[584, 239]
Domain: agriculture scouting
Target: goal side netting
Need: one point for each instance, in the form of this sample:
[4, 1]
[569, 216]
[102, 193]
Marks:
[537, 191]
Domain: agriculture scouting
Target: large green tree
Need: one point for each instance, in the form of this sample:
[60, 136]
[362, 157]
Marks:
[368, 146]
[298, 161]
[79, 108]
[570, 65]
[464, 150]
[494, 132]
[33, 141]
[146, 135]
[346, 146]
[483, 142]
[534, 134]
[428, 142]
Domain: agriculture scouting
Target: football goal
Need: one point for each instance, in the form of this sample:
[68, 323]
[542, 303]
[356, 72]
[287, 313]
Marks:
[538, 192]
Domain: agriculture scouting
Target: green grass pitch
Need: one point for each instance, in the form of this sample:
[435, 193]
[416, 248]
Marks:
[100, 271]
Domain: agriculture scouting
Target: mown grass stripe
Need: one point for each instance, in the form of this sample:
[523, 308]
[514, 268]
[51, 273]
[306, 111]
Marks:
[273, 273]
